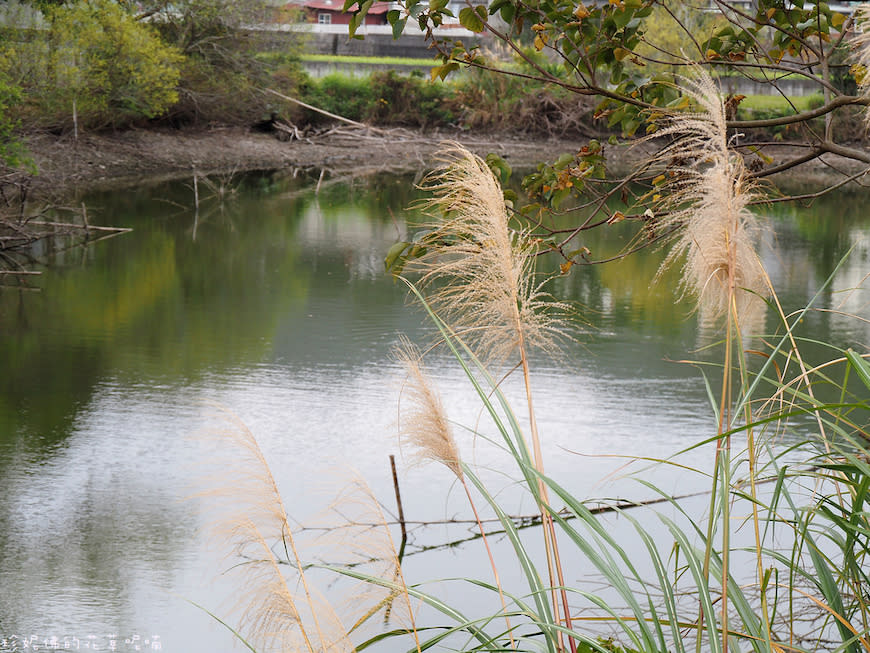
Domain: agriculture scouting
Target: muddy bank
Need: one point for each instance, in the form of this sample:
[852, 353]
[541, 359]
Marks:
[133, 157]
[98, 161]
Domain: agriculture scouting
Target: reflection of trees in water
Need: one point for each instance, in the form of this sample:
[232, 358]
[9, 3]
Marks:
[151, 305]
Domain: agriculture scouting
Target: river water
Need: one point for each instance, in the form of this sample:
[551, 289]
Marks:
[271, 302]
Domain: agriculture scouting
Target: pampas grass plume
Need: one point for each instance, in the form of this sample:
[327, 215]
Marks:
[708, 196]
[423, 424]
[482, 271]
[249, 515]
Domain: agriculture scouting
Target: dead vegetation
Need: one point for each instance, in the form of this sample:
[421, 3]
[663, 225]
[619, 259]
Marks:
[34, 226]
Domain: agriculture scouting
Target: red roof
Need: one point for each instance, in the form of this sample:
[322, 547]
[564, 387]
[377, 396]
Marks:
[336, 5]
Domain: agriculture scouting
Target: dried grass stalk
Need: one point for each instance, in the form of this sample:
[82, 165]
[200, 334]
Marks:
[707, 196]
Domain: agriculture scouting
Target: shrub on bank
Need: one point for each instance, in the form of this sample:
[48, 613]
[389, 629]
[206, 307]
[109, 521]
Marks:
[382, 98]
[480, 101]
[94, 66]
[766, 107]
[412, 101]
[349, 97]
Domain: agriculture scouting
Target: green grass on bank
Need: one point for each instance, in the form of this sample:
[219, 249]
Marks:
[391, 61]
[781, 104]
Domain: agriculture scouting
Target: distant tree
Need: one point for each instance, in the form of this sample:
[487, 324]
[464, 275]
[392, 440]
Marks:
[89, 62]
[113, 66]
[210, 29]
[223, 74]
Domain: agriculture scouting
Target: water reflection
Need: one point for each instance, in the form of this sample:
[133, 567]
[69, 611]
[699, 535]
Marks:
[273, 304]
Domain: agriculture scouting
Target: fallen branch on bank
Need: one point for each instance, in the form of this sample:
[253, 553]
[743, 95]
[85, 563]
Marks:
[324, 112]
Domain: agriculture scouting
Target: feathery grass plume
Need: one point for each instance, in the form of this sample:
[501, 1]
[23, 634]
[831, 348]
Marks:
[486, 290]
[425, 428]
[249, 515]
[423, 423]
[485, 271]
[708, 194]
[355, 535]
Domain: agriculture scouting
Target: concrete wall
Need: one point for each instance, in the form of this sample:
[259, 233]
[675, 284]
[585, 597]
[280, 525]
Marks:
[795, 87]
[324, 68]
[377, 42]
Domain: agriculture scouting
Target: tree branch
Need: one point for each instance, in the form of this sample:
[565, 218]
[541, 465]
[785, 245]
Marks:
[836, 103]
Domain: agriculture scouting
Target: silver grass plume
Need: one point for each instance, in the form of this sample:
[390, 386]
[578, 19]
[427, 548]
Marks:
[249, 515]
[423, 424]
[482, 276]
[707, 196]
[482, 272]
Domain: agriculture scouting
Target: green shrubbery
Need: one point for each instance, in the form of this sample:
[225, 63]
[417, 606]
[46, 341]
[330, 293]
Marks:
[383, 98]
[766, 107]
[11, 152]
[93, 64]
[412, 101]
[350, 97]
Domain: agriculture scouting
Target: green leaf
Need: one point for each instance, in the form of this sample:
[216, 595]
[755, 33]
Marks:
[563, 161]
[393, 254]
[398, 27]
[861, 366]
[443, 71]
[471, 20]
[508, 12]
[355, 21]
[499, 167]
[622, 17]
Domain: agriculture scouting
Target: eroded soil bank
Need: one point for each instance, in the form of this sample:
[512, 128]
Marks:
[138, 156]
[115, 160]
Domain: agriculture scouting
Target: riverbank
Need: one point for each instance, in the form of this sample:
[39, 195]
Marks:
[133, 157]
[98, 161]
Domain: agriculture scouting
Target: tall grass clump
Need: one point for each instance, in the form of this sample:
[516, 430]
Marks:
[482, 271]
[707, 200]
[777, 558]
